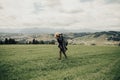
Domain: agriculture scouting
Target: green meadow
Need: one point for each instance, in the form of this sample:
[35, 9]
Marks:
[40, 62]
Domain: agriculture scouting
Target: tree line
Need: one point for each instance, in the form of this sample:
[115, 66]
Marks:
[34, 41]
[114, 38]
[8, 41]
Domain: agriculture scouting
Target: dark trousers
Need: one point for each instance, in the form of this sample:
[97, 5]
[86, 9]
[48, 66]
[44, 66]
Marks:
[62, 50]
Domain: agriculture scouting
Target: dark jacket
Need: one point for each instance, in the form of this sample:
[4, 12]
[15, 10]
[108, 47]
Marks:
[62, 43]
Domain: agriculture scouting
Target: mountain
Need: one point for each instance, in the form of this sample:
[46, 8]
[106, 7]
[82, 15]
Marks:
[87, 38]
[97, 38]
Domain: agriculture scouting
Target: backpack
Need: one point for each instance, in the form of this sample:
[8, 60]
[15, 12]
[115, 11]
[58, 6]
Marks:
[66, 42]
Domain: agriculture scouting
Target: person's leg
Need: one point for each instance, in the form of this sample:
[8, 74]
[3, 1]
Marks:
[60, 55]
[64, 54]
[66, 48]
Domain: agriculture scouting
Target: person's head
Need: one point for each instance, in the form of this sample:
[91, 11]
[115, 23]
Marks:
[57, 35]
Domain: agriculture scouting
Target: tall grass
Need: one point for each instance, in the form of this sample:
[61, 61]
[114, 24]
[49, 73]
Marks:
[40, 62]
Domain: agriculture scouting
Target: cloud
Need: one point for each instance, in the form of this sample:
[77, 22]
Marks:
[86, 0]
[37, 7]
[112, 1]
[66, 14]
[1, 7]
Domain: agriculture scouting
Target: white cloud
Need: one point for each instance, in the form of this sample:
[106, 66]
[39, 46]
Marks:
[67, 14]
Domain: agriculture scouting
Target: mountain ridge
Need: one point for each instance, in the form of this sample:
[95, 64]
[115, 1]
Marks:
[104, 37]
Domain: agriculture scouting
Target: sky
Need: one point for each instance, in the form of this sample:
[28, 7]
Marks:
[60, 14]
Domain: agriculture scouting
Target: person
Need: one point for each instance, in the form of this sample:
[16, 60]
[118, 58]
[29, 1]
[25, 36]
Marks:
[62, 45]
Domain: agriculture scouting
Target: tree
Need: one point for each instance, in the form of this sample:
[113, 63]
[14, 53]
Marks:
[12, 41]
[1, 42]
[42, 42]
[52, 42]
[6, 41]
[35, 41]
[30, 42]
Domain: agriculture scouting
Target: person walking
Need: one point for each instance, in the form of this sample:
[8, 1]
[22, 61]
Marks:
[62, 44]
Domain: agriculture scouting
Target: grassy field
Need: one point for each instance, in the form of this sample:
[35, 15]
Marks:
[40, 62]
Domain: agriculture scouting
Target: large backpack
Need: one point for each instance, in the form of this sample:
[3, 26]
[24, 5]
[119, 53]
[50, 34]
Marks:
[66, 42]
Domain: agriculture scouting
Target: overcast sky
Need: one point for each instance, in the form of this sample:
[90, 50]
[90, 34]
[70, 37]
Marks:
[60, 14]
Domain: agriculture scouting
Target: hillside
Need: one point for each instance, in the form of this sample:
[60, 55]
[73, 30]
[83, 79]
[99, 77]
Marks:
[100, 38]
